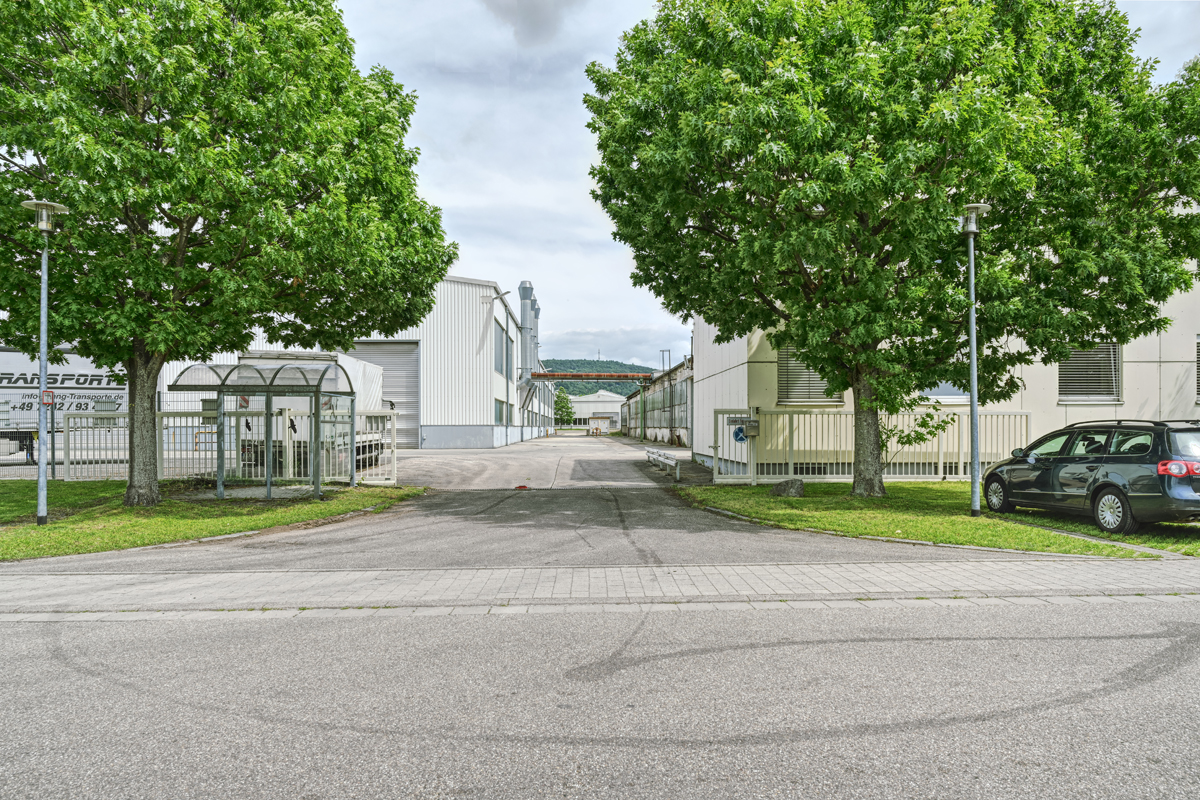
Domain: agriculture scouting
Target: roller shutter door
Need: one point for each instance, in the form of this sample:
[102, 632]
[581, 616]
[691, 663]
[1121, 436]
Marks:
[401, 384]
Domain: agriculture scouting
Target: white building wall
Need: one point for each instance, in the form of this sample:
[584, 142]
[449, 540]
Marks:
[601, 402]
[1158, 379]
[720, 379]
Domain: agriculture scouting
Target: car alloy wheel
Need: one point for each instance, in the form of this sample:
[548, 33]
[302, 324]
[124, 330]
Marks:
[1113, 514]
[997, 496]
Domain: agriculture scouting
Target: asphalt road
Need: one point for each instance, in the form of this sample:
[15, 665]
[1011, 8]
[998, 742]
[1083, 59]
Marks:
[1073, 702]
[866, 701]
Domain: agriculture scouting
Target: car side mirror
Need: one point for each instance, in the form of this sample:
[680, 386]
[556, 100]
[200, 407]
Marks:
[1018, 453]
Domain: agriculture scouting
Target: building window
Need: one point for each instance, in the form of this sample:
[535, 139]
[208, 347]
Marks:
[1091, 375]
[500, 340]
[508, 357]
[500, 406]
[948, 393]
[1198, 369]
[799, 384]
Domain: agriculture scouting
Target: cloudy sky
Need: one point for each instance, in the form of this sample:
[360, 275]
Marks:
[505, 154]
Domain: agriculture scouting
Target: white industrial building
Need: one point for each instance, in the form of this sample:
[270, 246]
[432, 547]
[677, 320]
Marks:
[1155, 377]
[662, 410]
[459, 379]
[601, 404]
[462, 378]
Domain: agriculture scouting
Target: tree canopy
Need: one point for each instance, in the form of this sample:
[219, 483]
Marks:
[800, 167]
[227, 167]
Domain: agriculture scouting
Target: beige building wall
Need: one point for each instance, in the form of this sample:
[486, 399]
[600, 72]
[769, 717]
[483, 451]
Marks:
[1158, 380]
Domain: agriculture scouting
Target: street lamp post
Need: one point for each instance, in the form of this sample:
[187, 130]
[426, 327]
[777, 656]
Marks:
[45, 223]
[971, 229]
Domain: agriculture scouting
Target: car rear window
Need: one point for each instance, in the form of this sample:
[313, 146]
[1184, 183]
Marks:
[1185, 443]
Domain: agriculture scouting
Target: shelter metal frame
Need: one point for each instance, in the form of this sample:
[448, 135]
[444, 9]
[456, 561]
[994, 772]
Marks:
[309, 381]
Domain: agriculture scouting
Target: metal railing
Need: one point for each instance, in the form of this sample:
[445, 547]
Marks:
[96, 446]
[820, 446]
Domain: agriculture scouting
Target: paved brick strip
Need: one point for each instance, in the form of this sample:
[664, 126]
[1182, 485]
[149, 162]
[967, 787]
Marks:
[589, 608]
[166, 591]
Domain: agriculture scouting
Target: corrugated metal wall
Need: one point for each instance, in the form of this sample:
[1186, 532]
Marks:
[720, 381]
[456, 355]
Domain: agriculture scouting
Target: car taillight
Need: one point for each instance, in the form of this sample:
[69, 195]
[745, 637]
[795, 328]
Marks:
[1178, 468]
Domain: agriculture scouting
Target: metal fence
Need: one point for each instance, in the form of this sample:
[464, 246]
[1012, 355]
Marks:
[19, 430]
[820, 446]
[96, 446]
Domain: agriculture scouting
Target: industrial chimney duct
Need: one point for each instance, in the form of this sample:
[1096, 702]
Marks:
[525, 290]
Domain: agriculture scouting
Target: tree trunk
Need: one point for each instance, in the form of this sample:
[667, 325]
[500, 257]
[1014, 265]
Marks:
[868, 444]
[142, 376]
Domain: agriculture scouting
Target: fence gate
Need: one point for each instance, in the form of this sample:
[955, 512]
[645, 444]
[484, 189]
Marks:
[380, 435]
[820, 446]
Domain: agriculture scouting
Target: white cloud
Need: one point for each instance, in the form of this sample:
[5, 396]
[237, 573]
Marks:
[505, 152]
[1170, 32]
[633, 345]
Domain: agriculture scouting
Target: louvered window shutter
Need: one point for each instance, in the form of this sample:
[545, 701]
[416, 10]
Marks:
[798, 383]
[1091, 374]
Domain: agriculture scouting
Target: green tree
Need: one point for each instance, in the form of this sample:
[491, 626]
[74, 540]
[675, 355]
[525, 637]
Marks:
[564, 414]
[799, 167]
[226, 167]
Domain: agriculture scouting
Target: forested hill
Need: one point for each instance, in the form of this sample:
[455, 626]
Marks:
[577, 388]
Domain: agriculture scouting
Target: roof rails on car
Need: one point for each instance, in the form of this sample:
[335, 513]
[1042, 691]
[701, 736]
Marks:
[1117, 422]
[1195, 422]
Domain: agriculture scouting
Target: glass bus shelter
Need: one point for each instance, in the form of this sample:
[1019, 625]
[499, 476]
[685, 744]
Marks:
[318, 382]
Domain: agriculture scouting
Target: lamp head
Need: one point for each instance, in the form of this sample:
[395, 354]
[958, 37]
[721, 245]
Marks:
[972, 213]
[45, 212]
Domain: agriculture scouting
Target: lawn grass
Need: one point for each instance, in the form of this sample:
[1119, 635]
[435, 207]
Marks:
[18, 498]
[92, 519]
[925, 511]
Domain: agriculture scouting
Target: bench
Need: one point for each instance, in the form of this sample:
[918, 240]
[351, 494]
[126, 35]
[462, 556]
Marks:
[663, 459]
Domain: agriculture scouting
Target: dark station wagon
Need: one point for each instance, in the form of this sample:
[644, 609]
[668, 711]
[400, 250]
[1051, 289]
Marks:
[1121, 472]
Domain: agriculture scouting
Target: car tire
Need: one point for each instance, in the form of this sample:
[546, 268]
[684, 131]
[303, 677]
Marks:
[996, 494]
[1113, 514]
